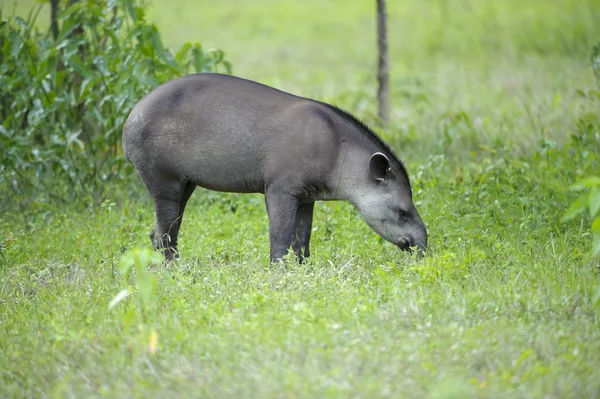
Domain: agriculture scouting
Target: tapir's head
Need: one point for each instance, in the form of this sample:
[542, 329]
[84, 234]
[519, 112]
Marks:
[387, 206]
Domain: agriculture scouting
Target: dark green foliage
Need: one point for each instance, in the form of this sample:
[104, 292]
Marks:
[588, 139]
[595, 59]
[63, 102]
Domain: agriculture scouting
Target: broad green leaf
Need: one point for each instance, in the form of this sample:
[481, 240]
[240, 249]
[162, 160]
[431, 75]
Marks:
[22, 23]
[157, 258]
[595, 61]
[594, 201]
[147, 288]
[596, 236]
[4, 131]
[596, 225]
[73, 8]
[135, 12]
[153, 37]
[16, 43]
[80, 67]
[124, 293]
[182, 54]
[142, 260]
[129, 317]
[576, 208]
[596, 244]
[198, 58]
[52, 65]
[68, 26]
[596, 295]
[114, 40]
[228, 67]
[46, 86]
[88, 86]
[126, 264]
[588, 182]
[524, 356]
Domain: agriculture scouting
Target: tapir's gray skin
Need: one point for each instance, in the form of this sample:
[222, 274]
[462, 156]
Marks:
[230, 134]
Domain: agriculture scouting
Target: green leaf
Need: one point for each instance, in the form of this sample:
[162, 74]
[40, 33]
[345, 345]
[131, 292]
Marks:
[596, 237]
[141, 260]
[135, 12]
[524, 356]
[129, 318]
[124, 293]
[147, 288]
[595, 61]
[576, 208]
[74, 8]
[4, 131]
[198, 58]
[16, 43]
[126, 264]
[52, 65]
[588, 182]
[228, 67]
[68, 27]
[80, 67]
[596, 225]
[596, 244]
[596, 295]
[22, 23]
[182, 54]
[594, 201]
[157, 258]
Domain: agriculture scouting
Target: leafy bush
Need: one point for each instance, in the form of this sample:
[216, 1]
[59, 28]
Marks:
[588, 139]
[65, 96]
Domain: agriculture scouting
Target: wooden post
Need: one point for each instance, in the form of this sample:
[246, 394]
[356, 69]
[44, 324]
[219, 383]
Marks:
[383, 75]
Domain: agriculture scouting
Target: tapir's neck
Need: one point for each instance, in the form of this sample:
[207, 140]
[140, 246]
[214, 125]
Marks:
[348, 180]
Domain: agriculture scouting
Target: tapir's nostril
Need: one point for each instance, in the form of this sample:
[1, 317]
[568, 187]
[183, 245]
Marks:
[408, 243]
[404, 243]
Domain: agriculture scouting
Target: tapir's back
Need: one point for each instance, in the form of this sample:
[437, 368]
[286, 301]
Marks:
[219, 131]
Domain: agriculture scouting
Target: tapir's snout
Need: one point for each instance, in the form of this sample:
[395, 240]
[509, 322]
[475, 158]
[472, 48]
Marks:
[417, 240]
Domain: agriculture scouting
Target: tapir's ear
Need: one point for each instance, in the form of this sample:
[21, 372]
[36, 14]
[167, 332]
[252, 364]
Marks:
[379, 166]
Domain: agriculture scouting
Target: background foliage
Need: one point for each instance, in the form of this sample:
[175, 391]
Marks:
[590, 201]
[496, 115]
[64, 100]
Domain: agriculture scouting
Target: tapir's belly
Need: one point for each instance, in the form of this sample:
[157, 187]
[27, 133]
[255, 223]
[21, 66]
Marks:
[222, 161]
[231, 172]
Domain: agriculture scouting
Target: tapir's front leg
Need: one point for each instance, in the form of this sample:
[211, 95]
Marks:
[281, 209]
[302, 230]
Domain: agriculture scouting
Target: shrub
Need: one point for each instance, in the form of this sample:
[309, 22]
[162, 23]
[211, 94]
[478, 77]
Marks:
[588, 140]
[64, 96]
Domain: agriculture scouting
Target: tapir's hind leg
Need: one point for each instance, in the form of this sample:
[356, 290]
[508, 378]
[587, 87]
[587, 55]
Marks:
[169, 203]
[302, 230]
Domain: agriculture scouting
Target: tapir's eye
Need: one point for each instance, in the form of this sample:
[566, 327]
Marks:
[402, 214]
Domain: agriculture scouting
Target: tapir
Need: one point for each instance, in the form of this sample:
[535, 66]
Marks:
[230, 134]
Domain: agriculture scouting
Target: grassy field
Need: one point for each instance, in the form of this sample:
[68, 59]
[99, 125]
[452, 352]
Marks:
[492, 119]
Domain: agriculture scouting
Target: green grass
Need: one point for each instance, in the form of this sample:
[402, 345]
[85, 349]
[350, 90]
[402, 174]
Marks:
[506, 304]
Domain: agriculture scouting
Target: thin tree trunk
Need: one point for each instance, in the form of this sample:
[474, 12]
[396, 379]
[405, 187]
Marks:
[53, 18]
[383, 76]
